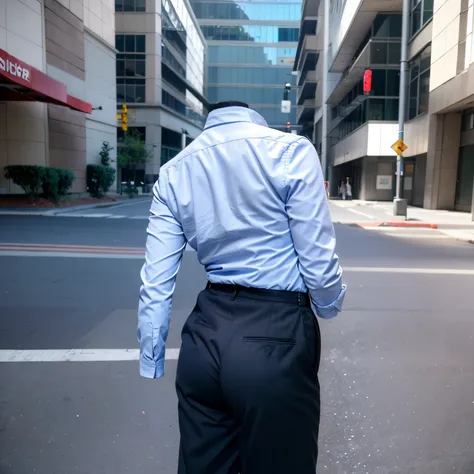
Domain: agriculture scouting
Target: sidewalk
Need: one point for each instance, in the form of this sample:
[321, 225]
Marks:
[458, 225]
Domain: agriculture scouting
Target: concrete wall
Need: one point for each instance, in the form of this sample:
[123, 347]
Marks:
[450, 31]
[373, 166]
[65, 58]
[442, 161]
[416, 135]
[100, 92]
[23, 126]
[372, 139]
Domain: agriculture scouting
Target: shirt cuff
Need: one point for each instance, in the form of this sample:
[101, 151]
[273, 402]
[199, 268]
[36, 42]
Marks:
[150, 369]
[330, 311]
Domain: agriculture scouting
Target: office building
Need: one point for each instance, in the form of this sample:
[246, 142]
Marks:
[161, 63]
[439, 132]
[57, 87]
[251, 48]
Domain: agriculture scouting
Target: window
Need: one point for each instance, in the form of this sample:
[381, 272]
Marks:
[247, 11]
[256, 33]
[131, 68]
[467, 120]
[226, 54]
[419, 87]
[249, 75]
[287, 34]
[129, 5]
[421, 13]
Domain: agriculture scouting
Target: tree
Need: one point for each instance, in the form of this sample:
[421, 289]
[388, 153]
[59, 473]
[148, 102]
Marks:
[132, 152]
[105, 154]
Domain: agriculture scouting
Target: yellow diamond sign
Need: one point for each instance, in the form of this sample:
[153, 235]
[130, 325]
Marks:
[399, 147]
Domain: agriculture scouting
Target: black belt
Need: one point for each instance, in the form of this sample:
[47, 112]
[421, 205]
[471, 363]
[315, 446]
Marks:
[276, 296]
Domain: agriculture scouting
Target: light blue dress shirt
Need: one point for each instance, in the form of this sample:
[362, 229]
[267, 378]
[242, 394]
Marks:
[251, 201]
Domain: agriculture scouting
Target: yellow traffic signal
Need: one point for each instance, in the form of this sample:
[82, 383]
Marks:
[124, 117]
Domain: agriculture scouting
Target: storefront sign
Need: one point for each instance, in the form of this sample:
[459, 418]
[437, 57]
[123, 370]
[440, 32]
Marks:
[15, 69]
[384, 182]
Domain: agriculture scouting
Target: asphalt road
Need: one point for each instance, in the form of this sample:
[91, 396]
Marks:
[397, 373]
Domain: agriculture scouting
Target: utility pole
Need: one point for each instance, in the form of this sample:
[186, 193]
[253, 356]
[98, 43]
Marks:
[325, 119]
[400, 204]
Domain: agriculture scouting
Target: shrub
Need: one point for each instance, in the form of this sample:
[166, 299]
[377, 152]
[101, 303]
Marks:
[66, 180]
[99, 179]
[50, 184]
[56, 183]
[28, 177]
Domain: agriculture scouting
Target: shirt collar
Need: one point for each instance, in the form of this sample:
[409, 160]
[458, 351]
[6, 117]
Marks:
[228, 115]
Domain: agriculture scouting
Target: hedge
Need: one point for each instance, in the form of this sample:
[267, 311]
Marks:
[54, 182]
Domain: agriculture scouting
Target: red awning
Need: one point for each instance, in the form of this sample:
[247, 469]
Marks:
[22, 82]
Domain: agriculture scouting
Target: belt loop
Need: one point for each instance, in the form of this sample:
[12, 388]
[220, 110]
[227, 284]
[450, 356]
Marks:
[209, 285]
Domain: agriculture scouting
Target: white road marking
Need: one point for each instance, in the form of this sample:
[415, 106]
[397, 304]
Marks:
[118, 256]
[94, 215]
[355, 211]
[117, 217]
[77, 355]
[426, 271]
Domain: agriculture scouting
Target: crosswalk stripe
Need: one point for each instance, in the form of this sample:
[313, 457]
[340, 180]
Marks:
[77, 355]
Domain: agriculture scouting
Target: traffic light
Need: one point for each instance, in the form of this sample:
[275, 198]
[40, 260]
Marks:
[124, 117]
[288, 127]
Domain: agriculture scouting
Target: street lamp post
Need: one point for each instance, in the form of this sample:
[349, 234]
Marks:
[286, 103]
[400, 204]
[184, 133]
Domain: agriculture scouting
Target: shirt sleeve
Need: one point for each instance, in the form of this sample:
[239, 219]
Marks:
[164, 250]
[311, 228]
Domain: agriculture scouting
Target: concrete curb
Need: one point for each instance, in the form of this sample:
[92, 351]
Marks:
[63, 210]
[419, 225]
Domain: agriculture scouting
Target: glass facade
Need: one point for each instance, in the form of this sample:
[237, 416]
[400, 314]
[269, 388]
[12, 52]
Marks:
[251, 51]
[183, 61]
[356, 108]
[421, 13]
[381, 105]
[130, 68]
[419, 87]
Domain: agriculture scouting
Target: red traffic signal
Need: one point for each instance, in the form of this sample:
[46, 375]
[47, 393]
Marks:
[367, 81]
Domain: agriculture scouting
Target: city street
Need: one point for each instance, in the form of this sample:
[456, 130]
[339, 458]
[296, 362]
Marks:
[397, 373]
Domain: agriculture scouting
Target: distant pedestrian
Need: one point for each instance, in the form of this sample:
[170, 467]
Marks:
[348, 189]
[250, 200]
[342, 189]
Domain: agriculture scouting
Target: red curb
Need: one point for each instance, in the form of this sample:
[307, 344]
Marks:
[419, 225]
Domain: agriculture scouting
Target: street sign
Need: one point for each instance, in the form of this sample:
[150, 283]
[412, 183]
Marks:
[285, 106]
[399, 147]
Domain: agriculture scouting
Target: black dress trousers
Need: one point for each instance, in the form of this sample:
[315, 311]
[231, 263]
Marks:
[247, 384]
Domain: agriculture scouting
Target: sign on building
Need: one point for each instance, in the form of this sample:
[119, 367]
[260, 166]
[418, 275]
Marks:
[285, 106]
[384, 182]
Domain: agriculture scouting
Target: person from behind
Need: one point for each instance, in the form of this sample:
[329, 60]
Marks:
[251, 201]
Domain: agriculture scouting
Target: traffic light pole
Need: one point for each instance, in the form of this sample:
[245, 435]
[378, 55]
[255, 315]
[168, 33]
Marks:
[400, 204]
